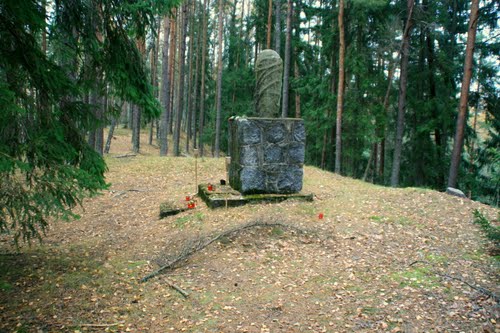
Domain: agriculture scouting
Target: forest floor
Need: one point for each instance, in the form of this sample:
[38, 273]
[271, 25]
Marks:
[380, 260]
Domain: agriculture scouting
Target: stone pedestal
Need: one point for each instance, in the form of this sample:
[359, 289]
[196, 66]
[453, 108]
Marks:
[267, 154]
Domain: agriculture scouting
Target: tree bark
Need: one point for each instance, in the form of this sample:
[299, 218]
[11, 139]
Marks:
[172, 54]
[405, 53]
[165, 89]
[180, 93]
[277, 27]
[340, 90]
[219, 81]
[464, 95]
[286, 69]
[269, 24]
[203, 66]
[297, 95]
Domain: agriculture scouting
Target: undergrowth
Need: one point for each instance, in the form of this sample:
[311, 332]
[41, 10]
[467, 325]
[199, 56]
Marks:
[491, 231]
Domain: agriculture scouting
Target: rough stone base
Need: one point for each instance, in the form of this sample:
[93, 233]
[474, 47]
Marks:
[225, 196]
[169, 208]
[267, 155]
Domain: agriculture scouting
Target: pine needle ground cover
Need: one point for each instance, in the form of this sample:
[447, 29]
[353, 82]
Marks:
[379, 259]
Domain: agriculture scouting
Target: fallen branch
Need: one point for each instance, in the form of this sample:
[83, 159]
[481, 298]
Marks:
[201, 243]
[177, 288]
[477, 288]
[126, 155]
[100, 325]
[470, 285]
[120, 193]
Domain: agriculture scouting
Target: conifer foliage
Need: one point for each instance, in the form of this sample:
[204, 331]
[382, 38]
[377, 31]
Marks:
[46, 165]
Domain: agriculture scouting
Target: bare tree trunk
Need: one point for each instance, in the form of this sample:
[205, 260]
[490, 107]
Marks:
[269, 24]
[196, 89]
[286, 69]
[189, 133]
[165, 89]
[340, 91]
[203, 66]
[403, 78]
[180, 97]
[219, 81]
[464, 95]
[277, 27]
[101, 112]
[110, 135]
[172, 55]
[136, 128]
[297, 95]
[136, 111]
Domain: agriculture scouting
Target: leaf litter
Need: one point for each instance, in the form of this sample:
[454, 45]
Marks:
[382, 259]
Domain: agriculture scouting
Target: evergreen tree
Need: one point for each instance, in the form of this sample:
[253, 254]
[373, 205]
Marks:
[46, 165]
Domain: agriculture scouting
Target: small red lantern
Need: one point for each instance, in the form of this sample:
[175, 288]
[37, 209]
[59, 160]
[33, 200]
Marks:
[188, 198]
[320, 216]
[191, 205]
[210, 187]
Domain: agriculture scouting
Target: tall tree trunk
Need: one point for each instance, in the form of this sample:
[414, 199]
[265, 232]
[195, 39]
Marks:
[189, 133]
[180, 96]
[110, 135]
[101, 112]
[136, 128]
[203, 66]
[136, 111]
[297, 95]
[219, 82]
[196, 88]
[464, 95]
[340, 90]
[403, 78]
[269, 24]
[172, 54]
[286, 69]
[165, 89]
[277, 27]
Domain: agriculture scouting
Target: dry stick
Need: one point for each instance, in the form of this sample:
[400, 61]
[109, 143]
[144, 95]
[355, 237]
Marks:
[177, 288]
[126, 155]
[190, 251]
[100, 325]
[477, 288]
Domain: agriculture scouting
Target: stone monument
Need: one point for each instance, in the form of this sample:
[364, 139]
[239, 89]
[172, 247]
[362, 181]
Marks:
[267, 153]
[269, 72]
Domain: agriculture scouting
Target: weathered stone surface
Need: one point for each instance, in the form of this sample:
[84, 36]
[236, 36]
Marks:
[252, 180]
[249, 156]
[249, 134]
[275, 133]
[299, 132]
[287, 182]
[272, 164]
[269, 72]
[273, 154]
[296, 153]
[455, 192]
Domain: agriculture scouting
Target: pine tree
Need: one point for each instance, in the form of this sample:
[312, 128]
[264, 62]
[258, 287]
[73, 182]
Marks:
[219, 81]
[340, 87]
[464, 95]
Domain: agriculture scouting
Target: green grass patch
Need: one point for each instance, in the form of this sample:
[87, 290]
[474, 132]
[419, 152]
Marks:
[491, 231]
[417, 277]
[277, 232]
[436, 258]
[5, 286]
[195, 219]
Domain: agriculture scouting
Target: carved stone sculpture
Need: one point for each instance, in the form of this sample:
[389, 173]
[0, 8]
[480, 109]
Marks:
[269, 71]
